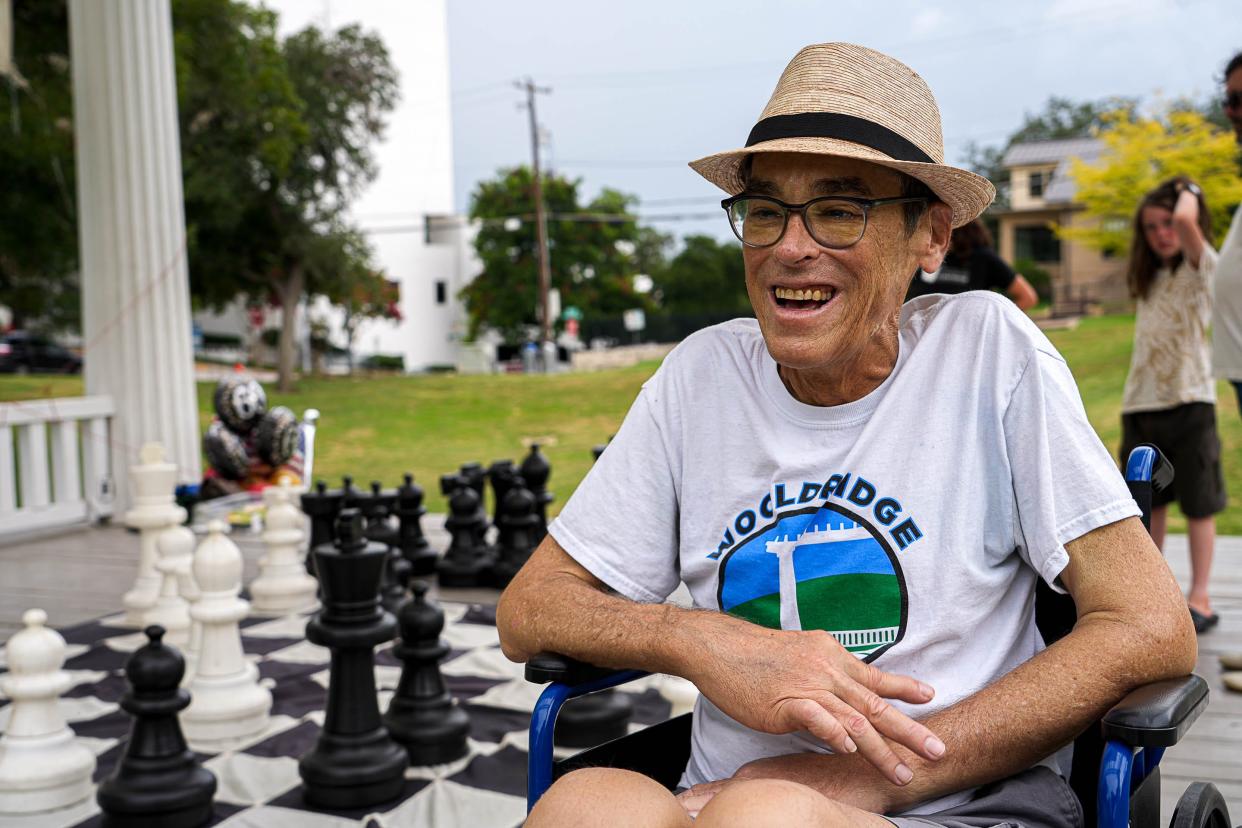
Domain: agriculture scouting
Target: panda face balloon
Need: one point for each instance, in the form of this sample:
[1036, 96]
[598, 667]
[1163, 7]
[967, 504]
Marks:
[240, 402]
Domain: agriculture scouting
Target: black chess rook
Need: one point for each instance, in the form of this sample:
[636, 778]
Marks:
[159, 780]
[355, 764]
[422, 715]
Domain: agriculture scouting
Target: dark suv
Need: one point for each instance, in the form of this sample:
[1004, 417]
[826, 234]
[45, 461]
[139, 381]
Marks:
[22, 352]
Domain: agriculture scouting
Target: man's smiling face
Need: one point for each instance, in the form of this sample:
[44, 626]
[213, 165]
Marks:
[848, 297]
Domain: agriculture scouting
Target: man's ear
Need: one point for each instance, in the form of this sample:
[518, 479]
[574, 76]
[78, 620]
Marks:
[936, 243]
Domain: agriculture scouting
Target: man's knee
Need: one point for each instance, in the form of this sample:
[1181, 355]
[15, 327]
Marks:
[775, 802]
[607, 797]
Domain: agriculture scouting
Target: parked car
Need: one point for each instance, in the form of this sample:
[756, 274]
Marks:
[22, 352]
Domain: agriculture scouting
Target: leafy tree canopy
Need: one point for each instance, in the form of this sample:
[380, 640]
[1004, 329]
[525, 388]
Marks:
[1141, 153]
[706, 276]
[595, 249]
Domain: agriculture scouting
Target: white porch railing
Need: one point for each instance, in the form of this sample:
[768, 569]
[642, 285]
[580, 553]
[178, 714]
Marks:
[55, 463]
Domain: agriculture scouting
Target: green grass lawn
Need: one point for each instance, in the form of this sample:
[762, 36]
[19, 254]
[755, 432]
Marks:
[376, 428]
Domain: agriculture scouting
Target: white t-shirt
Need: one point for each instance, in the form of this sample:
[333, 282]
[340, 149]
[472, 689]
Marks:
[1172, 361]
[1227, 307]
[910, 523]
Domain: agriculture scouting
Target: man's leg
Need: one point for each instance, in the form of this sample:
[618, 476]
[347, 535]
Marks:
[606, 797]
[757, 803]
[1202, 536]
[1159, 521]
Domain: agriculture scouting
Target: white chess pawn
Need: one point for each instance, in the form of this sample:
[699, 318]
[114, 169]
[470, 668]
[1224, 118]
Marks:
[42, 766]
[172, 610]
[155, 509]
[283, 586]
[227, 703]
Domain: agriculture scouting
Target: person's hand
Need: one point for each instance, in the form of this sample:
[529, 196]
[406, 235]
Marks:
[780, 681]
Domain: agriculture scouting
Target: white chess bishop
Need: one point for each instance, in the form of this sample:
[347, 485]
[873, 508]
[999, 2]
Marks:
[155, 509]
[283, 585]
[227, 703]
[43, 767]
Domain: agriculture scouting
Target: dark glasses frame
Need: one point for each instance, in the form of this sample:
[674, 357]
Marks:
[866, 204]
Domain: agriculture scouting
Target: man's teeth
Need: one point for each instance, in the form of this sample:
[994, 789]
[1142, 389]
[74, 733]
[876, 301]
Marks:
[805, 295]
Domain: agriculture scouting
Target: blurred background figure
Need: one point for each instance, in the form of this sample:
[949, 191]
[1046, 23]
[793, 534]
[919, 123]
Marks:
[972, 264]
[1227, 307]
[1170, 396]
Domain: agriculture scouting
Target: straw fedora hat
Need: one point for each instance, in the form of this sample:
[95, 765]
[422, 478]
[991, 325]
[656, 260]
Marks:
[849, 101]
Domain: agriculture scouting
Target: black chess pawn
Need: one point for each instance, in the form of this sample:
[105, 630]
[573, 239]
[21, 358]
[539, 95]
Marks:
[421, 714]
[502, 474]
[321, 505]
[355, 764]
[467, 560]
[536, 470]
[159, 780]
[414, 545]
[518, 524]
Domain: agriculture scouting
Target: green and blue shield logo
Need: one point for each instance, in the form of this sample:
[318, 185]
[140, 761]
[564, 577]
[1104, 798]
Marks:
[822, 568]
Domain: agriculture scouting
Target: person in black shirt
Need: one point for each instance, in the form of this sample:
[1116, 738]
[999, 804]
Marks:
[972, 264]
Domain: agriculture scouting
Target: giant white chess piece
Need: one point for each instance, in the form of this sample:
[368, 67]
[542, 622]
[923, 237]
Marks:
[227, 703]
[172, 609]
[42, 766]
[152, 482]
[283, 586]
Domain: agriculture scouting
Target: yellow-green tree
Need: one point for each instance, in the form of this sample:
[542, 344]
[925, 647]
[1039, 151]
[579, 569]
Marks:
[1140, 153]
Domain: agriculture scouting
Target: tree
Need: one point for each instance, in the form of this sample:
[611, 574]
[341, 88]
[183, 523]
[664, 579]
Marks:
[705, 277]
[38, 221]
[1059, 119]
[594, 251]
[282, 153]
[275, 144]
[1141, 152]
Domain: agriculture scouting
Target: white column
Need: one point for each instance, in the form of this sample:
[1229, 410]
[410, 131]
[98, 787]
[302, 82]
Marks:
[131, 229]
[784, 552]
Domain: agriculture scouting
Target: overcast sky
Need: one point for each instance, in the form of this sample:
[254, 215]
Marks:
[641, 87]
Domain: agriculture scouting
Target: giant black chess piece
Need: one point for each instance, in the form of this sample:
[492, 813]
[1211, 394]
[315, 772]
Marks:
[354, 764]
[159, 780]
[376, 509]
[422, 715]
[517, 538]
[468, 559]
[503, 474]
[536, 470]
[413, 542]
[321, 505]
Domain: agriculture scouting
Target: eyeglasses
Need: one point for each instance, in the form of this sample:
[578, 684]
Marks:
[836, 222]
[1232, 101]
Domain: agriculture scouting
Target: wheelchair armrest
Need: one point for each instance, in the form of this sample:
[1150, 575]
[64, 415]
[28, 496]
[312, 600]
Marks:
[549, 667]
[1157, 714]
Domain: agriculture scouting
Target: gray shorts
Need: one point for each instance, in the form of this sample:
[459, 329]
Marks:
[1035, 798]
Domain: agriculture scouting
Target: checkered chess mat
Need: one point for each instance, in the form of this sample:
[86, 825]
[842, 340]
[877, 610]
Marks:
[258, 783]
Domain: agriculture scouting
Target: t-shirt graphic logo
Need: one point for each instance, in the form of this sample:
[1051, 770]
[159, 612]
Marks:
[820, 568]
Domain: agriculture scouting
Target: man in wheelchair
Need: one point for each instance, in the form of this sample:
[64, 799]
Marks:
[861, 498]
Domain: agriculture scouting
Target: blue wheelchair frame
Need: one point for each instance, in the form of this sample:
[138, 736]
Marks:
[1137, 730]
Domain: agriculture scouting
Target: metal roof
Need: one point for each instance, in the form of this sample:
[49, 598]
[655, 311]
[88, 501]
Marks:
[1052, 152]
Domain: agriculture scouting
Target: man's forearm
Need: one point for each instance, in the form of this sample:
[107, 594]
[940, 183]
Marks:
[578, 620]
[1035, 709]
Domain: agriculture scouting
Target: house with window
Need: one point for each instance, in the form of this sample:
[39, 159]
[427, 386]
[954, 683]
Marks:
[1041, 197]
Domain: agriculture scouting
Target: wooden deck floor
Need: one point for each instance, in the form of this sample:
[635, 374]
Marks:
[79, 576]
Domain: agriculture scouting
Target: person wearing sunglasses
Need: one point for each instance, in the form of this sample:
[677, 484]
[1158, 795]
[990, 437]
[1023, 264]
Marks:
[1227, 301]
[860, 496]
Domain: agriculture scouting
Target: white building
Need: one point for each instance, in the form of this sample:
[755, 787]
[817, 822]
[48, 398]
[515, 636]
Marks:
[407, 213]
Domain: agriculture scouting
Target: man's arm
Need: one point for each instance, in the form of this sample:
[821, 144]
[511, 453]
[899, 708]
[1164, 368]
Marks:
[775, 681]
[1132, 629]
[1021, 292]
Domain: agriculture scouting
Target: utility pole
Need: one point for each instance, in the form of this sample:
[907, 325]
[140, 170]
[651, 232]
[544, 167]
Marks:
[541, 220]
